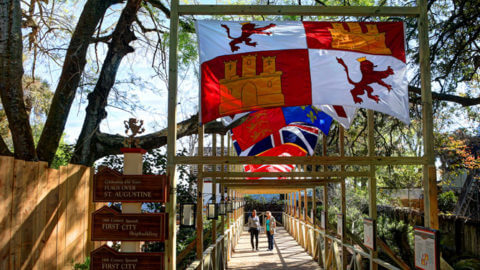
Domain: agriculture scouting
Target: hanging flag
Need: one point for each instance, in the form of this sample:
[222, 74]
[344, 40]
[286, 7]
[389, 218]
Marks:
[261, 124]
[342, 114]
[302, 136]
[246, 66]
[284, 150]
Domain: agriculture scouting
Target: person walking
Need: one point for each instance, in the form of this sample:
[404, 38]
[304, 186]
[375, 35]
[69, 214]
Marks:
[254, 228]
[270, 225]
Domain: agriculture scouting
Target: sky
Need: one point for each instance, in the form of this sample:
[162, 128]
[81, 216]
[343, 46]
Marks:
[152, 95]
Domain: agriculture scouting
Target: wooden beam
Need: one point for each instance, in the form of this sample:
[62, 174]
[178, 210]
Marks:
[335, 174]
[200, 199]
[343, 200]
[429, 170]
[171, 243]
[275, 182]
[324, 160]
[214, 196]
[372, 183]
[374, 11]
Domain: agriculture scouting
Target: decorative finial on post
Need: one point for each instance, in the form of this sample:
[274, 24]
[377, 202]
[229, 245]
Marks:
[136, 127]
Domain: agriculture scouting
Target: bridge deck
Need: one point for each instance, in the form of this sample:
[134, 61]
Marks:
[287, 254]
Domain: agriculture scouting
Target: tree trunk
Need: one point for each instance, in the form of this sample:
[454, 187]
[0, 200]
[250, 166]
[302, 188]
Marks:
[97, 100]
[4, 151]
[11, 72]
[73, 67]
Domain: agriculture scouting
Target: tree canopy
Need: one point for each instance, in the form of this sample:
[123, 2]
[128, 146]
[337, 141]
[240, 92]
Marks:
[73, 36]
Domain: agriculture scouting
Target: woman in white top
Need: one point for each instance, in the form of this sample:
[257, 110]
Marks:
[254, 228]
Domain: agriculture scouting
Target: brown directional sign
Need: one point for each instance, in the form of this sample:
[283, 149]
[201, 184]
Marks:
[106, 258]
[109, 224]
[111, 186]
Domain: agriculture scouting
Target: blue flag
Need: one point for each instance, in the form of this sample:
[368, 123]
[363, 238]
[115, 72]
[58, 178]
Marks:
[308, 115]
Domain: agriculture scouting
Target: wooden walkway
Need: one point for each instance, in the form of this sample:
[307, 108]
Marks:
[287, 254]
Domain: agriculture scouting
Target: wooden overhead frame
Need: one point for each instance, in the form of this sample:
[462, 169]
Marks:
[308, 174]
[317, 160]
[427, 161]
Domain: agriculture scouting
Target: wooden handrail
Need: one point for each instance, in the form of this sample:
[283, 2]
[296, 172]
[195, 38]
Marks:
[356, 250]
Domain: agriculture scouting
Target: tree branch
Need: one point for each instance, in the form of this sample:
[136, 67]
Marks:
[103, 39]
[73, 67]
[97, 100]
[109, 144]
[464, 101]
[161, 6]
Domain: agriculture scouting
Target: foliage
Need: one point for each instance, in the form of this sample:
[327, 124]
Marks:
[459, 151]
[447, 201]
[85, 265]
[63, 155]
[398, 236]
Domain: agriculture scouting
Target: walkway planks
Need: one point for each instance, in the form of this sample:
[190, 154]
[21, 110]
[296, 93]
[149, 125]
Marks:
[287, 254]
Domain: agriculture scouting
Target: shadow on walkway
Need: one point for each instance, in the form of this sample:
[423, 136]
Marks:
[287, 254]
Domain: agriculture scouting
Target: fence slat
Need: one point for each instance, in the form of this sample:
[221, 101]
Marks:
[44, 215]
[51, 216]
[74, 224]
[40, 217]
[28, 226]
[6, 185]
[62, 214]
[17, 200]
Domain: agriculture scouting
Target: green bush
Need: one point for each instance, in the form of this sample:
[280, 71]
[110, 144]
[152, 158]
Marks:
[447, 201]
[85, 265]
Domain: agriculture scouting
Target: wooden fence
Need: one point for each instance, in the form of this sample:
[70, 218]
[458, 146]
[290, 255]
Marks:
[44, 215]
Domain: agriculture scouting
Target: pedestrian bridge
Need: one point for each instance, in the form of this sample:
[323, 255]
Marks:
[299, 244]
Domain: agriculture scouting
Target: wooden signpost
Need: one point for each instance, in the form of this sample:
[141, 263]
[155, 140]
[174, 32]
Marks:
[339, 225]
[109, 224]
[369, 234]
[111, 186]
[427, 255]
[128, 225]
[105, 257]
[322, 220]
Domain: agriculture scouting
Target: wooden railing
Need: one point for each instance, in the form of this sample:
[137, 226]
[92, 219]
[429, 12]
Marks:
[219, 253]
[326, 253]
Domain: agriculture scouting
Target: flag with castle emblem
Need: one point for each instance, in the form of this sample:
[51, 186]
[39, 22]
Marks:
[246, 66]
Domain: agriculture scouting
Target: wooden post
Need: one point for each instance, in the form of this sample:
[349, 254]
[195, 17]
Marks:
[372, 183]
[314, 206]
[171, 244]
[325, 208]
[222, 192]
[200, 199]
[305, 203]
[325, 201]
[429, 170]
[294, 203]
[343, 201]
[132, 165]
[214, 197]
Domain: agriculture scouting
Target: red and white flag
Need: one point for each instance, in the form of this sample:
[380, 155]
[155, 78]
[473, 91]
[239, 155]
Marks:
[246, 66]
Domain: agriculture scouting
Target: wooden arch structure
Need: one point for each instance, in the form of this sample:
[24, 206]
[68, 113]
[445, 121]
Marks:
[300, 180]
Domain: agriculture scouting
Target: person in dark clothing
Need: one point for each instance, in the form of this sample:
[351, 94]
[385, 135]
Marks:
[254, 228]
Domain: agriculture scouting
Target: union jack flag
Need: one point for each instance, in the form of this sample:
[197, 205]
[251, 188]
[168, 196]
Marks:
[303, 136]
